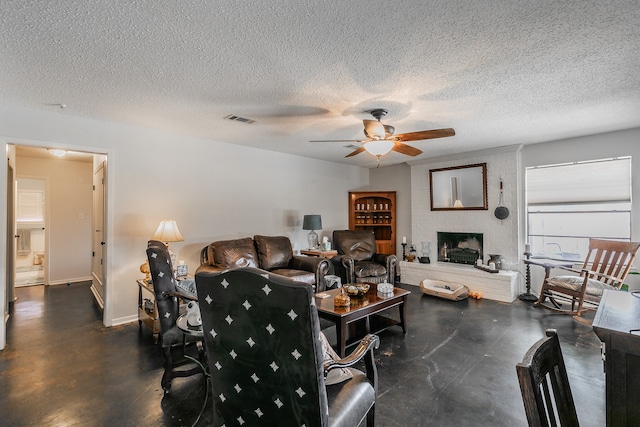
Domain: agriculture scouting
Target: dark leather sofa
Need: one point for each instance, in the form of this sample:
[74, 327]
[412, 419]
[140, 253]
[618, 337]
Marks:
[271, 253]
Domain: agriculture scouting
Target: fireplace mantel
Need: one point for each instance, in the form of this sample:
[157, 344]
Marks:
[501, 286]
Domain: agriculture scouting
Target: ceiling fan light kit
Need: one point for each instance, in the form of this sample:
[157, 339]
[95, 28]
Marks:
[378, 147]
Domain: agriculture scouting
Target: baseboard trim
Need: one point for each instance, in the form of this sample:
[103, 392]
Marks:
[124, 320]
[70, 281]
[97, 297]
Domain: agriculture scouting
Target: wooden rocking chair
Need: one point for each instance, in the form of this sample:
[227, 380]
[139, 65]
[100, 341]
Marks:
[606, 266]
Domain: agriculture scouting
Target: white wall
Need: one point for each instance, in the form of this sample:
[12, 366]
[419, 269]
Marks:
[70, 198]
[212, 189]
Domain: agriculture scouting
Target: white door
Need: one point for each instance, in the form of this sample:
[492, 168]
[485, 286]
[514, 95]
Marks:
[98, 255]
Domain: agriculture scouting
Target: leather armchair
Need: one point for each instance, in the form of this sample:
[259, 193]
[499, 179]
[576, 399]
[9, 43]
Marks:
[271, 253]
[262, 373]
[357, 260]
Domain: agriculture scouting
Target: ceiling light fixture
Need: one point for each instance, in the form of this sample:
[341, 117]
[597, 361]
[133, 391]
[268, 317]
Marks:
[378, 147]
[57, 152]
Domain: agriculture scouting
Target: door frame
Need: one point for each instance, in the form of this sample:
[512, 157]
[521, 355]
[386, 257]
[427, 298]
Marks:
[99, 167]
[107, 318]
[10, 255]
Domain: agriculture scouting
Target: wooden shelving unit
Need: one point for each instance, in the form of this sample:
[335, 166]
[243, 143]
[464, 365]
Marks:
[376, 211]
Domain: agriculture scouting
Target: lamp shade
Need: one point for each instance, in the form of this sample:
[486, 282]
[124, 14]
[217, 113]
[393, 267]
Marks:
[168, 232]
[312, 222]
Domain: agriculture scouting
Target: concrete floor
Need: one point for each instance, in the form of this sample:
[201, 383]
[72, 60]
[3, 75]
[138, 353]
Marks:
[454, 367]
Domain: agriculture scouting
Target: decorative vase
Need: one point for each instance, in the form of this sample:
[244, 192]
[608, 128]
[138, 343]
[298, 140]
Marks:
[412, 254]
[426, 251]
[496, 259]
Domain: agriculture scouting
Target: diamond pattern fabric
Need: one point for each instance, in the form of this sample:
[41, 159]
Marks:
[263, 341]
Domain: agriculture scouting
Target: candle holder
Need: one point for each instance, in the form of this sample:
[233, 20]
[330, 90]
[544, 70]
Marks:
[527, 296]
[404, 251]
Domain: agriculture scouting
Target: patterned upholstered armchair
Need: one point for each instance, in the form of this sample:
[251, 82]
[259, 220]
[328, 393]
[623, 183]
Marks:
[357, 260]
[173, 341]
[268, 361]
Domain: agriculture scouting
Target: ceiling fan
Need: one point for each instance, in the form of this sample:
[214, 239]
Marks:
[380, 138]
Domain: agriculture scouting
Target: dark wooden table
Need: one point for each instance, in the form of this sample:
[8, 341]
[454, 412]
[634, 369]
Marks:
[617, 324]
[364, 310]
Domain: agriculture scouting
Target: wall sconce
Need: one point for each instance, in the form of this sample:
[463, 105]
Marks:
[312, 222]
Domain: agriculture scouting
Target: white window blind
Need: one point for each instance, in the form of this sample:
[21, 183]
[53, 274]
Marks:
[30, 206]
[569, 203]
[600, 181]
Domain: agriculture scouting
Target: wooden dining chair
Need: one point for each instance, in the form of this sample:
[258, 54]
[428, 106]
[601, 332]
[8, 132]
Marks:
[544, 385]
[605, 267]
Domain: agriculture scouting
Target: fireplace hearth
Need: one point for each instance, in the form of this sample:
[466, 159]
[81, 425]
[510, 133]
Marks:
[461, 248]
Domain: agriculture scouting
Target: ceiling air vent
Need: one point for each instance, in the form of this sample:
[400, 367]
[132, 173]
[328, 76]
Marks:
[235, 118]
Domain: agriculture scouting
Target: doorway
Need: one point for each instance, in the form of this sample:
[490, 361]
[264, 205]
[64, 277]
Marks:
[55, 220]
[59, 255]
[30, 217]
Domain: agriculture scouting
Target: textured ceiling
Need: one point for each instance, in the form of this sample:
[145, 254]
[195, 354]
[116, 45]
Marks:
[498, 72]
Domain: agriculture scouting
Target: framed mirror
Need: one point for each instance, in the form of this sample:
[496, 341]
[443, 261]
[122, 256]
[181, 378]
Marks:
[459, 188]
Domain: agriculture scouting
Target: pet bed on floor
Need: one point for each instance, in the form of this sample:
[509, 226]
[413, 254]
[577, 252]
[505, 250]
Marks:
[447, 290]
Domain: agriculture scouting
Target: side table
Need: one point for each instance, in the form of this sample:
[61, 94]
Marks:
[147, 317]
[197, 332]
[317, 252]
[548, 264]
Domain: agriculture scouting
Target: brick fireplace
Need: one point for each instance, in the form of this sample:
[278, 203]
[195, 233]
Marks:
[460, 248]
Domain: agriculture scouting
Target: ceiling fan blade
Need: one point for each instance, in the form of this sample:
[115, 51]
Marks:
[406, 149]
[425, 134]
[340, 140]
[353, 153]
[374, 129]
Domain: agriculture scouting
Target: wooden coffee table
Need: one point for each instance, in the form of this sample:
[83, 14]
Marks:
[364, 310]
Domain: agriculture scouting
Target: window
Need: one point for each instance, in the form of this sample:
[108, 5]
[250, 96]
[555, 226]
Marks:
[30, 206]
[568, 203]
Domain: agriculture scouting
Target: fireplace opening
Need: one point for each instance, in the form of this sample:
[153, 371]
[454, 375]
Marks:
[461, 248]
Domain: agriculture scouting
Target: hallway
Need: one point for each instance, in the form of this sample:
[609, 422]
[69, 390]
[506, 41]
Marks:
[454, 367]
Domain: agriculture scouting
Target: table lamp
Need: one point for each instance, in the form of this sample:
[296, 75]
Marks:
[168, 232]
[312, 222]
